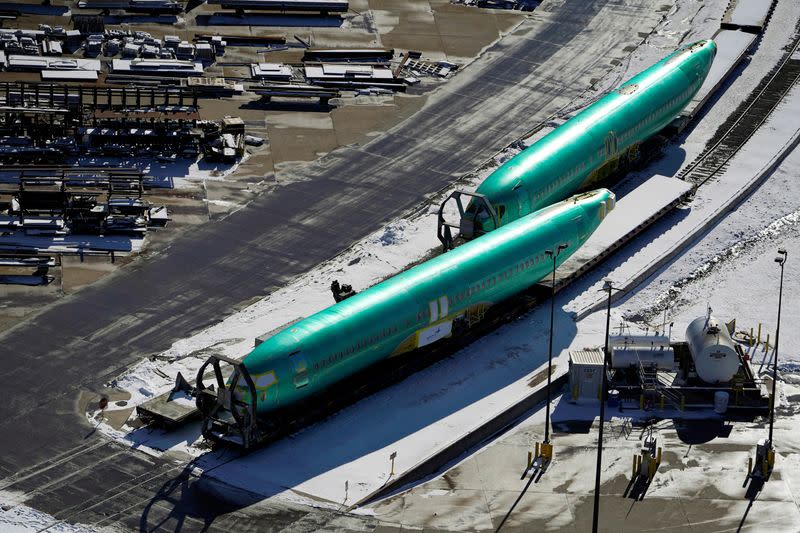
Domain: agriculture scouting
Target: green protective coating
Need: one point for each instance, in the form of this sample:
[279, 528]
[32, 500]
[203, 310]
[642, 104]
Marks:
[418, 306]
[588, 147]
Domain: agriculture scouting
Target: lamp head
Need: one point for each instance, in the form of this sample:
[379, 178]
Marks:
[563, 246]
[780, 259]
[548, 253]
[782, 251]
[607, 285]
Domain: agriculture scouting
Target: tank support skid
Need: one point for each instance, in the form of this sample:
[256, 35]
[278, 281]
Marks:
[227, 418]
[466, 223]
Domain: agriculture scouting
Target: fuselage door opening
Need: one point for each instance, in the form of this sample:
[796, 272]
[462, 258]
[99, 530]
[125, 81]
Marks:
[439, 309]
[611, 144]
[300, 367]
[523, 199]
[433, 307]
[580, 224]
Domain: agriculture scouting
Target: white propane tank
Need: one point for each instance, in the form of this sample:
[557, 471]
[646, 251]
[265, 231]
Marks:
[632, 350]
[712, 349]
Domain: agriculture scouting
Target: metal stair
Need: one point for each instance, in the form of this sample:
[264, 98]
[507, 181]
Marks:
[654, 385]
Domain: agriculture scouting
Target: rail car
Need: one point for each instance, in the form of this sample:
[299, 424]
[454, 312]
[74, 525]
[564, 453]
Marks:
[590, 146]
[429, 302]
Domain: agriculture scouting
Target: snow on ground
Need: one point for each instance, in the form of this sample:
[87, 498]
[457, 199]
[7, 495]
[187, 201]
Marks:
[671, 232]
[732, 268]
[687, 21]
[699, 485]
[179, 174]
[482, 379]
[17, 518]
[183, 173]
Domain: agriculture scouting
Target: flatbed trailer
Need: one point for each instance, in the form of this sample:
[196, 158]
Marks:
[169, 410]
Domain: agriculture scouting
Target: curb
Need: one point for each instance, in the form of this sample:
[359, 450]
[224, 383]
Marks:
[701, 228]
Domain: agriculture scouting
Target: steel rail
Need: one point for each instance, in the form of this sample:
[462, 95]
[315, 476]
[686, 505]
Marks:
[696, 172]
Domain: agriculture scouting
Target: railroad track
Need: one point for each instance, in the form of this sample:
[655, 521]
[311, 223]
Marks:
[136, 482]
[75, 467]
[745, 121]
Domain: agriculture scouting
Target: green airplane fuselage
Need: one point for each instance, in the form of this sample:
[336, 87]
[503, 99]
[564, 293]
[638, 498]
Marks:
[588, 147]
[418, 306]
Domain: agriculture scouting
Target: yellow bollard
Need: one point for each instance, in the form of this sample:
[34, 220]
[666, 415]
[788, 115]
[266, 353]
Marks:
[638, 465]
[749, 466]
[537, 450]
[661, 402]
[633, 468]
[751, 339]
[547, 452]
[758, 341]
[658, 455]
[530, 459]
[651, 470]
[641, 401]
[766, 346]
[765, 467]
[575, 392]
[771, 458]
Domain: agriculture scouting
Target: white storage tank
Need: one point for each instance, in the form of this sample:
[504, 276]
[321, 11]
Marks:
[631, 350]
[713, 350]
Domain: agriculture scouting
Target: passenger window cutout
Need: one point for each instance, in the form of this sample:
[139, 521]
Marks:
[611, 144]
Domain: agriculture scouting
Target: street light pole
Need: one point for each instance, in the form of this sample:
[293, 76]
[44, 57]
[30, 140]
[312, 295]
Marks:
[607, 286]
[781, 260]
[562, 246]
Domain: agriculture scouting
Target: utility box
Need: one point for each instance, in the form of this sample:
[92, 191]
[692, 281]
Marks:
[234, 125]
[586, 374]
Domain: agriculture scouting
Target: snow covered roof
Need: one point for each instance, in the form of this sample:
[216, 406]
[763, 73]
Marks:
[350, 71]
[158, 66]
[586, 357]
[21, 62]
[271, 70]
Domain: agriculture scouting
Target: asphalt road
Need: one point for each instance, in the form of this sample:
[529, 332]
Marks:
[90, 337]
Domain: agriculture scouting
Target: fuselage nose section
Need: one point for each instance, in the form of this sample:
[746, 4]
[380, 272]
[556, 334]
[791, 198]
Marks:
[700, 57]
[709, 51]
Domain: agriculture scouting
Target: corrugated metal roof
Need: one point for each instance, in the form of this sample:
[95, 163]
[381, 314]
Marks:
[587, 357]
[69, 75]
